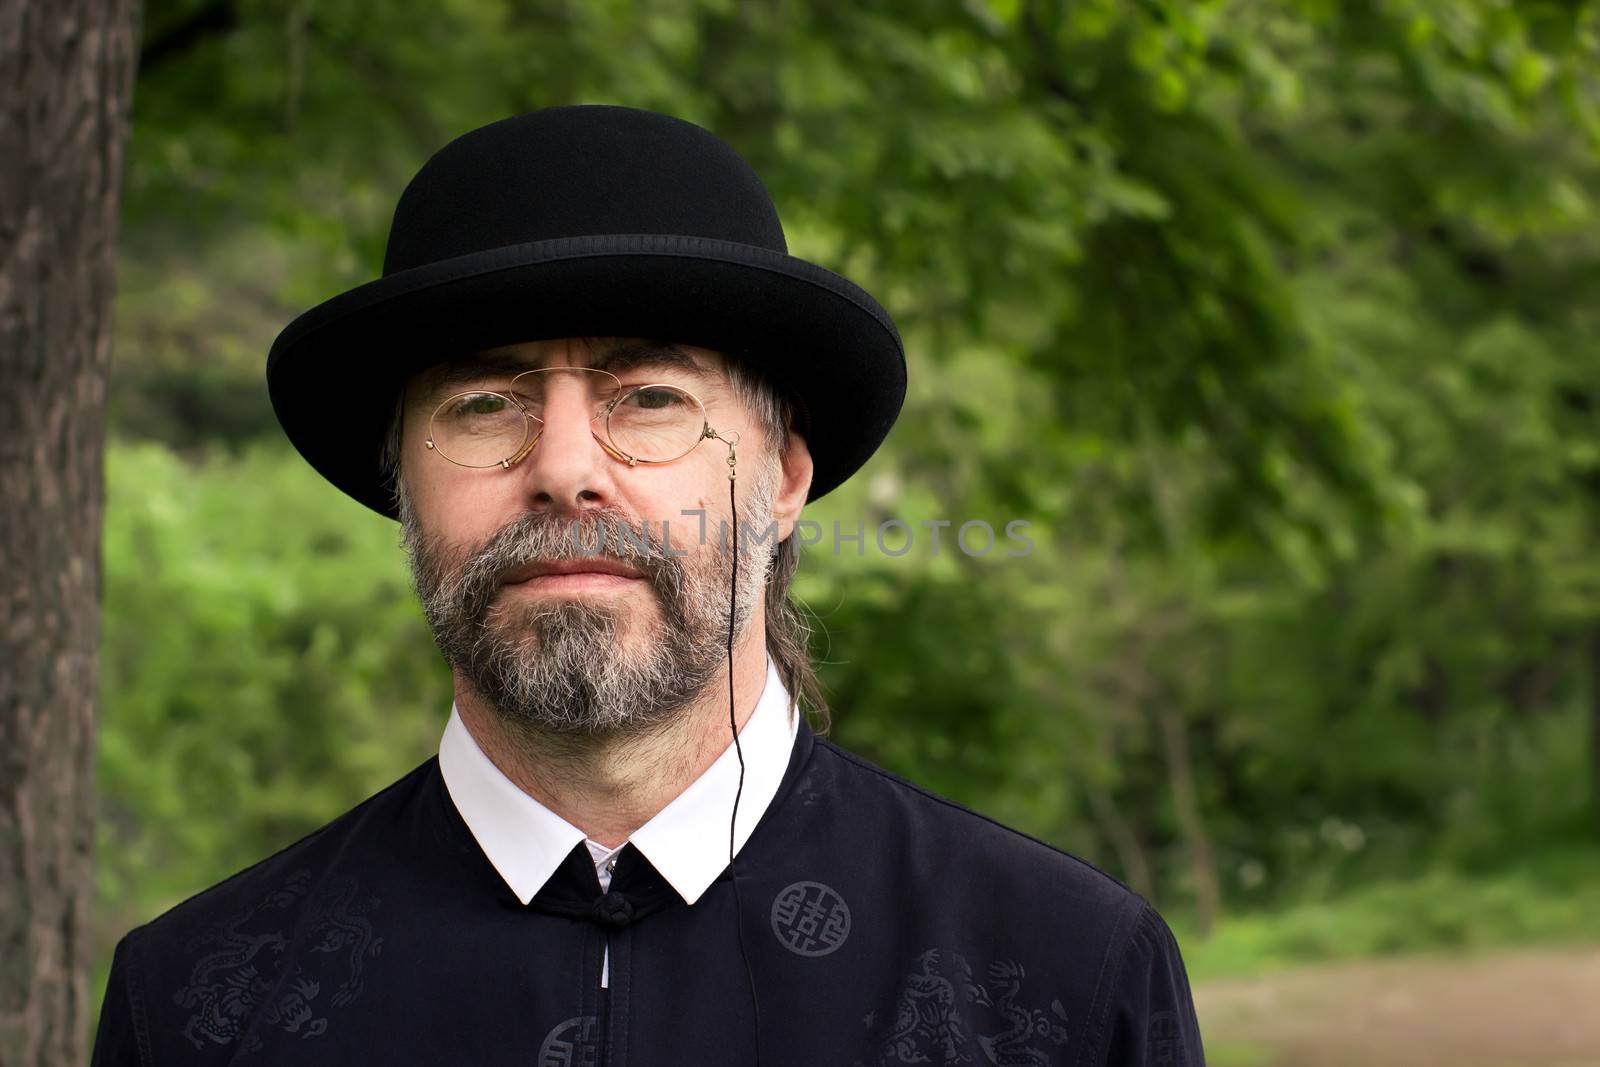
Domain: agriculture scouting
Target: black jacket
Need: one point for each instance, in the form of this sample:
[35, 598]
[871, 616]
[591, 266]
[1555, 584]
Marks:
[882, 925]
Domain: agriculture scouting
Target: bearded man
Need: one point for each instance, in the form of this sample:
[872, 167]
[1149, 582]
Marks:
[597, 392]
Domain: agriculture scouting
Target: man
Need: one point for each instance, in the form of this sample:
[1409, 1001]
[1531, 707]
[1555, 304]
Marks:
[597, 393]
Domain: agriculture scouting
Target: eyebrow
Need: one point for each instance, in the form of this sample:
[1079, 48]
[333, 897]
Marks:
[650, 354]
[617, 360]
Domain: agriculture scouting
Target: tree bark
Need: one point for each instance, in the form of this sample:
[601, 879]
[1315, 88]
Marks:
[1186, 804]
[67, 69]
[1594, 728]
[1124, 841]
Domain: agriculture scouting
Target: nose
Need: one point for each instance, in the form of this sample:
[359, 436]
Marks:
[566, 470]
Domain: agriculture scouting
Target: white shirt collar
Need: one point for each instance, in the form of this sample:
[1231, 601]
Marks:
[687, 841]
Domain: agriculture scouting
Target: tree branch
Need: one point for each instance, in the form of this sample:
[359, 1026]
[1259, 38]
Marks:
[211, 20]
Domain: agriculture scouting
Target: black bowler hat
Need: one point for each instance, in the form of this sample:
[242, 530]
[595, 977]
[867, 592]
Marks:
[578, 222]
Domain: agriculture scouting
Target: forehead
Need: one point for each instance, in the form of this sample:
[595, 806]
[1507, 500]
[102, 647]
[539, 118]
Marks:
[617, 355]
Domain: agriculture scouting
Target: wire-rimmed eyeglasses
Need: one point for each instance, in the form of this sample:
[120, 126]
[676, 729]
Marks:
[656, 422]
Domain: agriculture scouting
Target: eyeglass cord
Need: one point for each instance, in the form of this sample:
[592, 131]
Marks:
[738, 908]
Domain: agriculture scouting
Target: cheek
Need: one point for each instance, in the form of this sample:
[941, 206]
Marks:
[672, 493]
[685, 535]
[461, 510]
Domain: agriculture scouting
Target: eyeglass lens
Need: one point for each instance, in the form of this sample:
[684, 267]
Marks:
[652, 422]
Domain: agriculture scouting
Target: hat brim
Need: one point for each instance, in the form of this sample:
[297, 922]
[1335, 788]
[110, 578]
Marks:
[333, 372]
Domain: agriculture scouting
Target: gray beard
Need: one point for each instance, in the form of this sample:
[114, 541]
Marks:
[564, 665]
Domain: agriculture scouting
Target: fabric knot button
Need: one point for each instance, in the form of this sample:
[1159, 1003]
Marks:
[613, 909]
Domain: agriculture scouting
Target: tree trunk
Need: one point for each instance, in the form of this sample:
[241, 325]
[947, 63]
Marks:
[67, 69]
[1124, 841]
[1192, 824]
[1594, 728]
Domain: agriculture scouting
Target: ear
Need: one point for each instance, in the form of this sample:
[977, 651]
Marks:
[793, 485]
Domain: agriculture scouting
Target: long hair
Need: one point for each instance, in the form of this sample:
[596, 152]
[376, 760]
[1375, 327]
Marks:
[788, 625]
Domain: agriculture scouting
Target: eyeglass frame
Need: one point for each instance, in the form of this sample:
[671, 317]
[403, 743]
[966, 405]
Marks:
[611, 447]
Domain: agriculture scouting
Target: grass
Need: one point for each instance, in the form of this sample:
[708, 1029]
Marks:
[1553, 900]
[1236, 1053]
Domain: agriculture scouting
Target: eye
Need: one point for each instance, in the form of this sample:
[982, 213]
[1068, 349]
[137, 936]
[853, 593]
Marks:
[478, 404]
[655, 399]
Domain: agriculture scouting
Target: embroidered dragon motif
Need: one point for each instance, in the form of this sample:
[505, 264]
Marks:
[925, 1015]
[241, 979]
[1008, 1048]
[343, 926]
[940, 1005]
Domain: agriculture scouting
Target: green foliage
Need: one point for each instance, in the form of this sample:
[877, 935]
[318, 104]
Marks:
[1275, 321]
[264, 667]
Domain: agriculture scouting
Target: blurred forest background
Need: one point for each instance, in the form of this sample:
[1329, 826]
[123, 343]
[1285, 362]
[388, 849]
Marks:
[1278, 321]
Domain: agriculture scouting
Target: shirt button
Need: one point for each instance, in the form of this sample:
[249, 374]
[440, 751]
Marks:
[611, 866]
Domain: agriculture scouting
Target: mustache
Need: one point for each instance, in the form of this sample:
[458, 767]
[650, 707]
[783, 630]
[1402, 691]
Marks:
[544, 537]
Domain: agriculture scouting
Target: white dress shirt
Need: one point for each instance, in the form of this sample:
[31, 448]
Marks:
[686, 841]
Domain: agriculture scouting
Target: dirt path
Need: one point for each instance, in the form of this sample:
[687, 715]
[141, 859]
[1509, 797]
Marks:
[1517, 1009]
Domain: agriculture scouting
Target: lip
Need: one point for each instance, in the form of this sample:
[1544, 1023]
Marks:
[572, 568]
